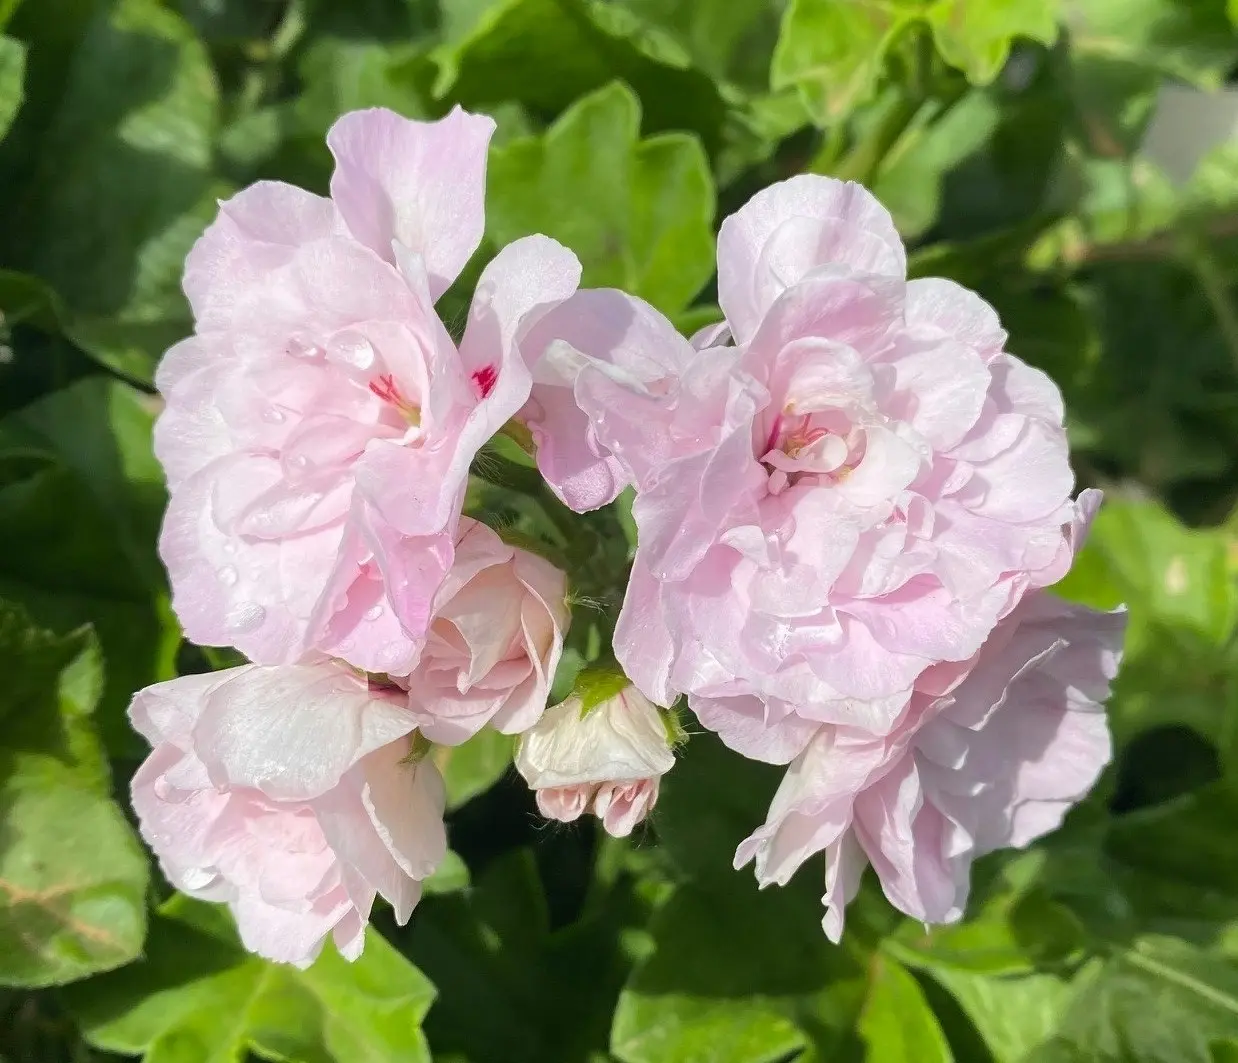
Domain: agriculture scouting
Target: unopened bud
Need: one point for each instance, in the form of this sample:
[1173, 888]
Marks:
[606, 758]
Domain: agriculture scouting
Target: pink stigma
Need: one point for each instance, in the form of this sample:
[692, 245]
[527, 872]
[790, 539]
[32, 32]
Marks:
[485, 378]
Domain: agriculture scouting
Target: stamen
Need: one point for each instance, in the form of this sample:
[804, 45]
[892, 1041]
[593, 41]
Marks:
[385, 388]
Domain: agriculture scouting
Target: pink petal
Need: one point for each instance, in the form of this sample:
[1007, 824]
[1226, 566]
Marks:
[420, 184]
[293, 731]
[790, 229]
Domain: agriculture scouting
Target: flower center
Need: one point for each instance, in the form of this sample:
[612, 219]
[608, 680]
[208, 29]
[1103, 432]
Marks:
[386, 389]
[825, 447]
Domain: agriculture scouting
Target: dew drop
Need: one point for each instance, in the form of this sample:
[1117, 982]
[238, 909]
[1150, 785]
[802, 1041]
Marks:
[351, 349]
[228, 576]
[197, 878]
[302, 348]
[229, 548]
[245, 617]
[374, 612]
[274, 415]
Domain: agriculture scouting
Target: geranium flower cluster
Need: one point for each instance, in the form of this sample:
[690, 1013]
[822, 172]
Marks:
[848, 497]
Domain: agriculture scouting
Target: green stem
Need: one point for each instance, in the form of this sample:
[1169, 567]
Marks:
[863, 161]
[260, 80]
[527, 481]
[1198, 255]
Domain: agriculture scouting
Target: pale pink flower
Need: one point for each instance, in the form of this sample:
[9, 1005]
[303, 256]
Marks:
[287, 794]
[596, 344]
[991, 754]
[494, 642]
[320, 422]
[859, 488]
[608, 760]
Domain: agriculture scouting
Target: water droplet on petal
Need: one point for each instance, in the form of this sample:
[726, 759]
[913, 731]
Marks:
[374, 612]
[245, 616]
[299, 347]
[351, 349]
[229, 548]
[274, 415]
[228, 576]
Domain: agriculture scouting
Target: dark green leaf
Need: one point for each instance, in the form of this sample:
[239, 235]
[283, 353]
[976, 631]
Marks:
[1161, 1002]
[896, 1022]
[72, 874]
[79, 514]
[737, 975]
[637, 213]
[12, 72]
[546, 53]
[511, 989]
[122, 185]
[198, 997]
[474, 766]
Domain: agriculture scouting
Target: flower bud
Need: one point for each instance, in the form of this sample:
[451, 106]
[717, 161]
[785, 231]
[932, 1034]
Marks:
[606, 757]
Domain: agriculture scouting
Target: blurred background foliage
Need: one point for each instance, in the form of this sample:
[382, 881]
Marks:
[1074, 160]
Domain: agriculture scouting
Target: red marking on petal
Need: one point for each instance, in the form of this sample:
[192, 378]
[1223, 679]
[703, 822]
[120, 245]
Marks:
[485, 378]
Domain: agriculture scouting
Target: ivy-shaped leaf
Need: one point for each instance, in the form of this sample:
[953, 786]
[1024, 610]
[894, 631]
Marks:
[198, 997]
[638, 213]
[72, 874]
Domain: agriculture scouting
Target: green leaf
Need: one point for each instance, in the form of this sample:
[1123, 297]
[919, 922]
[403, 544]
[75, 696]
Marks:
[1172, 575]
[910, 178]
[834, 51]
[451, 876]
[72, 875]
[544, 54]
[1192, 40]
[472, 767]
[638, 213]
[896, 1022]
[976, 35]
[1179, 586]
[771, 984]
[1162, 1001]
[767, 987]
[1176, 866]
[1013, 1016]
[101, 431]
[12, 73]
[198, 997]
[731, 40]
[513, 990]
[81, 497]
[122, 184]
[1012, 927]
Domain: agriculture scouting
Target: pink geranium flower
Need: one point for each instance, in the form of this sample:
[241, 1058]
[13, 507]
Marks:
[859, 486]
[320, 422]
[494, 643]
[990, 755]
[288, 794]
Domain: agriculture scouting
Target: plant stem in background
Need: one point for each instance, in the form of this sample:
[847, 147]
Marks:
[1197, 254]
